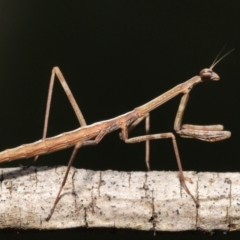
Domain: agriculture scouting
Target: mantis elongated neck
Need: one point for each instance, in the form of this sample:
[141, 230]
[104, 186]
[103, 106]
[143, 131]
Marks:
[156, 102]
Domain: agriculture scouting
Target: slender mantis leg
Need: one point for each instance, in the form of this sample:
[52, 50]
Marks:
[57, 72]
[75, 150]
[147, 138]
[147, 142]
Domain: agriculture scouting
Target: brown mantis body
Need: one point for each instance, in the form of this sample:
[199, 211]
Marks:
[92, 134]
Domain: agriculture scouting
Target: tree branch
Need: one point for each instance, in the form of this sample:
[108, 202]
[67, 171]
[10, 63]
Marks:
[130, 200]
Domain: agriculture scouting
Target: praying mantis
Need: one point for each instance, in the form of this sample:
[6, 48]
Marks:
[92, 134]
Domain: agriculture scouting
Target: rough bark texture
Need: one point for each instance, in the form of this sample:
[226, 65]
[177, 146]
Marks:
[130, 200]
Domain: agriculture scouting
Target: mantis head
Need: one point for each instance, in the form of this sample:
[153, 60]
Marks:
[208, 73]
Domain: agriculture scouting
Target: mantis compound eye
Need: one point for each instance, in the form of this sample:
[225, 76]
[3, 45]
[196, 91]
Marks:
[208, 74]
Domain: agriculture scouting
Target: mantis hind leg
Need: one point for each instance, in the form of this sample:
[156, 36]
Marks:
[71, 160]
[57, 72]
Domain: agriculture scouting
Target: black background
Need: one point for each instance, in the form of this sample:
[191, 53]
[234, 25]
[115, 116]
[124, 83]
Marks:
[117, 55]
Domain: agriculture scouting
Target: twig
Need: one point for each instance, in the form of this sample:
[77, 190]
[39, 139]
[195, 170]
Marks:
[152, 201]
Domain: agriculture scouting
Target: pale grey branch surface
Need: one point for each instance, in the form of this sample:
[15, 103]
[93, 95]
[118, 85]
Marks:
[131, 200]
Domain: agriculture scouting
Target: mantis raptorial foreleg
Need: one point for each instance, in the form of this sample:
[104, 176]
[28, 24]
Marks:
[209, 133]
